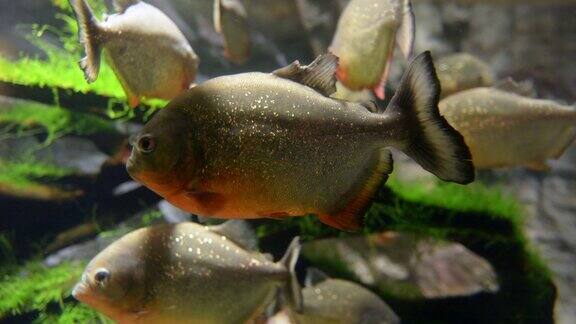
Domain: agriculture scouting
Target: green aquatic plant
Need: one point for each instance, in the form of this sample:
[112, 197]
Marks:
[24, 117]
[33, 286]
[22, 174]
[476, 197]
[44, 291]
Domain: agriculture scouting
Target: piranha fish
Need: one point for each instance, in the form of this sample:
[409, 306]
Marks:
[507, 129]
[516, 2]
[148, 53]
[364, 41]
[463, 71]
[334, 301]
[185, 273]
[275, 145]
[231, 22]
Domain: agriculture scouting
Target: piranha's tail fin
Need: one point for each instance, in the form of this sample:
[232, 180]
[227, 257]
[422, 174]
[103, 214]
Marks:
[292, 292]
[430, 140]
[91, 35]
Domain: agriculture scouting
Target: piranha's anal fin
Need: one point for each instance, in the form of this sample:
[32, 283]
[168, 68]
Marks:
[351, 217]
[430, 140]
[406, 33]
[319, 75]
[92, 35]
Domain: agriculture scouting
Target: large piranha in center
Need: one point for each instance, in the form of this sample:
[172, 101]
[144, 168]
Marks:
[274, 145]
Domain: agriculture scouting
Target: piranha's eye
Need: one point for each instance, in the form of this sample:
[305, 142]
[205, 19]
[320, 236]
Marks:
[146, 144]
[101, 276]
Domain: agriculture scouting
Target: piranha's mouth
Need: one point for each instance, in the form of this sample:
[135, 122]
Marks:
[132, 165]
[80, 291]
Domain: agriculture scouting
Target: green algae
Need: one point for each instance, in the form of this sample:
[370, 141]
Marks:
[24, 174]
[44, 292]
[20, 116]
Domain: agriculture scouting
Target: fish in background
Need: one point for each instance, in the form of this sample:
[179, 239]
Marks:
[516, 2]
[462, 71]
[364, 41]
[148, 53]
[336, 301]
[186, 273]
[230, 21]
[504, 127]
[275, 145]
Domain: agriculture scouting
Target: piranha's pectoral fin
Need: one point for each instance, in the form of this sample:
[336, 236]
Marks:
[351, 217]
[406, 32]
[238, 231]
[523, 88]
[121, 5]
[208, 202]
[92, 36]
[319, 75]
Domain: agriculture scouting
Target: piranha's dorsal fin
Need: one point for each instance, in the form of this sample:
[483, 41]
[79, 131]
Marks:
[239, 232]
[319, 75]
[523, 88]
[314, 276]
[92, 35]
[406, 33]
[121, 5]
[351, 217]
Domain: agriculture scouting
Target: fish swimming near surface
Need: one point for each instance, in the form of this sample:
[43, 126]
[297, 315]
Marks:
[274, 145]
[364, 41]
[230, 21]
[462, 71]
[507, 129]
[186, 273]
[148, 53]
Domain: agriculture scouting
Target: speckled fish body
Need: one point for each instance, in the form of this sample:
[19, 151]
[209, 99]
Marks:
[364, 41]
[180, 273]
[148, 53]
[504, 129]
[336, 301]
[230, 21]
[258, 145]
[463, 71]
